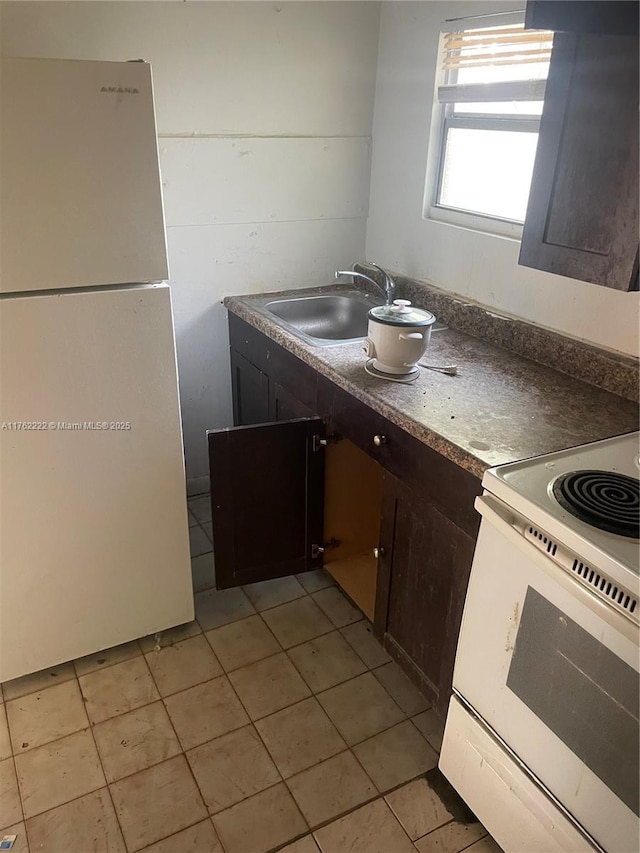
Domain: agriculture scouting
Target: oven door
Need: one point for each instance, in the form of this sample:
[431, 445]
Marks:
[553, 670]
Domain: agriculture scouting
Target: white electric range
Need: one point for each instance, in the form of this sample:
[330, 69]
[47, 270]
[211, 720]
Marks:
[542, 735]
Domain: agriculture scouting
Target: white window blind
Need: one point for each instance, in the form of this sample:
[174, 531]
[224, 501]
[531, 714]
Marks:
[497, 46]
[492, 64]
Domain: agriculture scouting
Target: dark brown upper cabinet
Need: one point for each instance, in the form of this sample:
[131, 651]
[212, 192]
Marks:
[610, 18]
[582, 217]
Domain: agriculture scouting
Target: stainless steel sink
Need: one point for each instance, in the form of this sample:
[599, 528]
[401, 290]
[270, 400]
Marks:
[325, 319]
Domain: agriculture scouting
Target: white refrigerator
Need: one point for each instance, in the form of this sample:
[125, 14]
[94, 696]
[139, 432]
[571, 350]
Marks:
[94, 546]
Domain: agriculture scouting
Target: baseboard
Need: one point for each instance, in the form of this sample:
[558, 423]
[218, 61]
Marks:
[197, 486]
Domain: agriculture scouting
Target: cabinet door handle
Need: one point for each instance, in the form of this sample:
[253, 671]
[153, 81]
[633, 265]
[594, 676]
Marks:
[379, 440]
[378, 552]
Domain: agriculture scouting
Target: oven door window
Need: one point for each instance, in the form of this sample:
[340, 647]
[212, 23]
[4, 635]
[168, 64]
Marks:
[582, 691]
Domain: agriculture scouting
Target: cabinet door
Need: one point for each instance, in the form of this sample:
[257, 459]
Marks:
[582, 217]
[250, 387]
[422, 584]
[267, 500]
[297, 377]
[283, 406]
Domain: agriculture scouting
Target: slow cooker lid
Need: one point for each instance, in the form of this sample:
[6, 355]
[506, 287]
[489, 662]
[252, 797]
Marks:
[401, 314]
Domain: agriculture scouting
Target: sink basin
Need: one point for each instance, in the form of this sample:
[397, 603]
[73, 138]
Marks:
[325, 319]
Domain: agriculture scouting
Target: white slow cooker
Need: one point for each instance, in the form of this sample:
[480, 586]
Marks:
[398, 336]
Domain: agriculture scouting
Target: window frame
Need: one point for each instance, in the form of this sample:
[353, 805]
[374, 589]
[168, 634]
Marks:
[447, 118]
[476, 121]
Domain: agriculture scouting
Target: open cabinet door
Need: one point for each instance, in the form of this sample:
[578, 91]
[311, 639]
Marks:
[267, 499]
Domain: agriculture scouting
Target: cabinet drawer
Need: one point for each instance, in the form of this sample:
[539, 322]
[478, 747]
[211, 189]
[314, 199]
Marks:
[348, 416]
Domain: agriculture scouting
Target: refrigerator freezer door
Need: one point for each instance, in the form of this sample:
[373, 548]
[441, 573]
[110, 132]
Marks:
[94, 546]
[80, 193]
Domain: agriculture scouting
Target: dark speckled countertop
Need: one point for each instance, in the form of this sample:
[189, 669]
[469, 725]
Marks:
[499, 408]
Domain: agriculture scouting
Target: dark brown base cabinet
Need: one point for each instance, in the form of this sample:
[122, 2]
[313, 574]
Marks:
[310, 476]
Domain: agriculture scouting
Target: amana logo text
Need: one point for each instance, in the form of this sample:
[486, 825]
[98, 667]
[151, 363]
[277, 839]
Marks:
[120, 90]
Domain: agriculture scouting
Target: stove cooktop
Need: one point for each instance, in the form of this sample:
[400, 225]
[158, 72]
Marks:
[587, 495]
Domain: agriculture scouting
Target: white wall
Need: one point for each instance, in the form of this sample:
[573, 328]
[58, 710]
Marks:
[479, 266]
[264, 116]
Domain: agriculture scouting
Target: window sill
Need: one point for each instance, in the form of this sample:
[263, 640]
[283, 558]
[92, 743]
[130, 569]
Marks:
[475, 222]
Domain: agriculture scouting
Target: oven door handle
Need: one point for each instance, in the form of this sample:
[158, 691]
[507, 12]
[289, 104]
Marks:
[497, 514]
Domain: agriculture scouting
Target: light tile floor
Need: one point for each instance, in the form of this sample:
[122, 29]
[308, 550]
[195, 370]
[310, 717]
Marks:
[275, 721]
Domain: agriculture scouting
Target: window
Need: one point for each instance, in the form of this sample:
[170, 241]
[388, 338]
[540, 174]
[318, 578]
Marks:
[493, 77]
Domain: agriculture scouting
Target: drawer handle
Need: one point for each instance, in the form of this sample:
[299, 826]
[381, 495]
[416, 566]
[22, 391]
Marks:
[379, 440]
[378, 552]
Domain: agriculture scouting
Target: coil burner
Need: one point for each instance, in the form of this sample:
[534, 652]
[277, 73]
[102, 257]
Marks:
[603, 499]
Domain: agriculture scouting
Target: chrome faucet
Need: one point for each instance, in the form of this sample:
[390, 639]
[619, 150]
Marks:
[389, 283]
